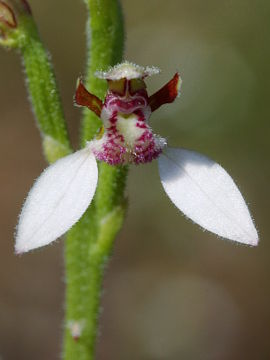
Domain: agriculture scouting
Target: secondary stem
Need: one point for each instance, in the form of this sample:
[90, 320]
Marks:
[43, 91]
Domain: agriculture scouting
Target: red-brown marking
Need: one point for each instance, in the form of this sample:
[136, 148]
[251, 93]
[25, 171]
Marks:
[26, 6]
[7, 15]
[85, 98]
[166, 94]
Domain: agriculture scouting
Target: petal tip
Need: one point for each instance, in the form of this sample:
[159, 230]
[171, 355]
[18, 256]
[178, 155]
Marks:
[254, 240]
[19, 250]
[252, 237]
[249, 237]
[21, 246]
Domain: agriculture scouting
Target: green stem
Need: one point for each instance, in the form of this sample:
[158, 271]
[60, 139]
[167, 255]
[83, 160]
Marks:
[90, 242]
[88, 247]
[43, 91]
[105, 42]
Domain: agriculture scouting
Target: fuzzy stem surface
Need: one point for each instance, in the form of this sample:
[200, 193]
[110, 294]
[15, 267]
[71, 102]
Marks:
[43, 91]
[90, 242]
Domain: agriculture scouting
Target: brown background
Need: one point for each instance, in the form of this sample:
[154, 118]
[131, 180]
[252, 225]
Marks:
[171, 292]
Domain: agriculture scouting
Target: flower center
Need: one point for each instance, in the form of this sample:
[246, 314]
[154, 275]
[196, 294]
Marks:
[126, 136]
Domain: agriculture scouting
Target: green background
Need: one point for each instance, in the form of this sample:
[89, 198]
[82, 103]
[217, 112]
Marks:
[172, 291]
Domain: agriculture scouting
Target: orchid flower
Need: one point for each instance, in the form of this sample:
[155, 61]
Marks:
[196, 185]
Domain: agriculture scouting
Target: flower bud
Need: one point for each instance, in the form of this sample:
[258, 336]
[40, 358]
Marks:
[11, 12]
[19, 7]
[7, 17]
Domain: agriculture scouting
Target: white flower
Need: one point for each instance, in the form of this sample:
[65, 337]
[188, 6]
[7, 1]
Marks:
[197, 185]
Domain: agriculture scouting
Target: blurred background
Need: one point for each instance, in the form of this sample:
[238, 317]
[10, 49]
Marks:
[171, 291]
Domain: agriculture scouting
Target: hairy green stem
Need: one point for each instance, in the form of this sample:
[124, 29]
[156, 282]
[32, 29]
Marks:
[90, 242]
[43, 91]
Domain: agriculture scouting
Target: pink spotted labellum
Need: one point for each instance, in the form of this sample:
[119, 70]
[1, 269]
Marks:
[197, 185]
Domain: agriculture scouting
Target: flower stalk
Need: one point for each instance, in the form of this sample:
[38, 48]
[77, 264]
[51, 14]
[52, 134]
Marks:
[90, 241]
[43, 90]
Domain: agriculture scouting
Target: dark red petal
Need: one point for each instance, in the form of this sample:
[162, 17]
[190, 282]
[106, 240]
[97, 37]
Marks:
[166, 94]
[85, 98]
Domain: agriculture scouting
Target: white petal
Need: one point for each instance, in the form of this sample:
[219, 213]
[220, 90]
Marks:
[57, 200]
[206, 193]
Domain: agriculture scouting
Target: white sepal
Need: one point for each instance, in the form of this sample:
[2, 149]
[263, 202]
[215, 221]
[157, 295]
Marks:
[57, 200]
[206, 194]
